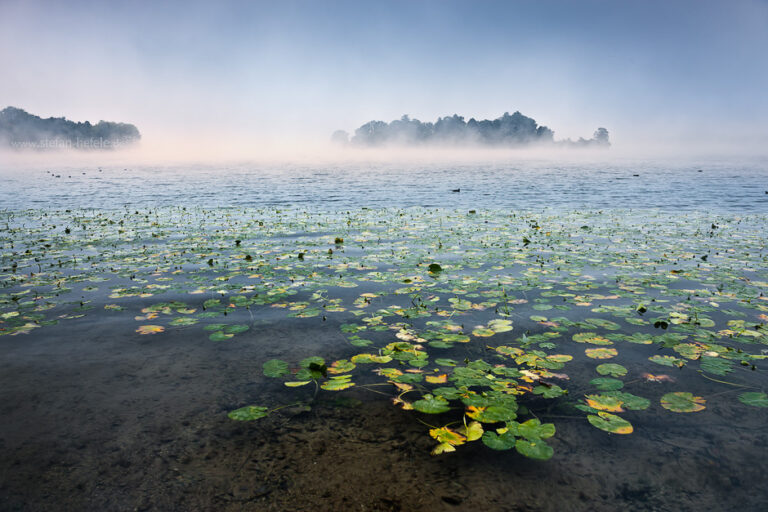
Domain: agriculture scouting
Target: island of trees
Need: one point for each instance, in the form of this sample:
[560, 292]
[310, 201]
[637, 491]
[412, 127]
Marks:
[22, 130]
[509, 130]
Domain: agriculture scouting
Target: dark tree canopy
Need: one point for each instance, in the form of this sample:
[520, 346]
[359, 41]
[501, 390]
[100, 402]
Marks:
[19, 130]
[508, 130]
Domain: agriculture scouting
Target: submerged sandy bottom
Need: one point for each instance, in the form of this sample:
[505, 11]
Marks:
[94, 421]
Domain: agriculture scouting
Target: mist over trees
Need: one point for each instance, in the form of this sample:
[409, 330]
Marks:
[509, 130]
[22, 130]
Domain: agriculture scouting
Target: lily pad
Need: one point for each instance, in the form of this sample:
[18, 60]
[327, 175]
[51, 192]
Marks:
[534, 449]
[754, 399]
[606, 384]
[681, 401]
[446, 435]
[601, 353]
[338, 383]
[275, 368]
[504, 441]
[605, 402]
[610, 423]
[432, 405]
[612, 369]
[248, 413]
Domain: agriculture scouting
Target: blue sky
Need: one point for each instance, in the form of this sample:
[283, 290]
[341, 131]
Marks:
[649, 71]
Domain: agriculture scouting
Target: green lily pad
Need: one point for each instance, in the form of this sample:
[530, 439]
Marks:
[601, 353]
[220, 336]
[534, 449]
[754, 399]
[612, 369]
[604, 324]
[275, 368]
[370, 358]
[532, 429]
[552, 391]
[338, 383]
[630, 401]
[606, 384]
[681, 401]
[248, 413]
[716, 365]
[610, 423]
[667, 361]
[432, 405]
[236, 329]
[592, 338]
[495, 441]
[605, 402]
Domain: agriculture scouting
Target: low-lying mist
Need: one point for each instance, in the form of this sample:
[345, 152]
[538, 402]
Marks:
[207, 150]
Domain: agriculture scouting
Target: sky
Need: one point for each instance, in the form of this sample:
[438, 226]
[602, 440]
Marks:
[681, 73]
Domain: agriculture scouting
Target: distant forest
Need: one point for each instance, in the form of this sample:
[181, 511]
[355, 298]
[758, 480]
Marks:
[21, 130]
[507, 130]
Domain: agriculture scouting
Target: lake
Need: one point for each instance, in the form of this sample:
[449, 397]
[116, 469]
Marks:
[551, 336]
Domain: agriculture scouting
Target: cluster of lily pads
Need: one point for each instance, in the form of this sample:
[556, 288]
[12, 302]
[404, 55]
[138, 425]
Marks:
[473, 318]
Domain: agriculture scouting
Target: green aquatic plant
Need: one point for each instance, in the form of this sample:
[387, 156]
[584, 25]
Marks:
[463, 343]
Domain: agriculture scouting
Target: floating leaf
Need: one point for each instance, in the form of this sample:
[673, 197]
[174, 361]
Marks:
[443, 448]
[338, 383]
[341, 366]
[297, 383]
[370, 358]
[630, 401]
[605, 402]
[591, 337]
[504, 441]
[236, 329]
[754, 399]
[601, 353]
[491, 414]
[552, 391]
[220, 336]
[610, 423]
[500, 325]
[446, 435]
[431, 405]
[716, 365]
[248, 413]
[612, 369]
[606, 384]
[681, 401]
[275, 368]
[604, 324]
[667, 361]
[532, 429]
[150, 329]
[473, 431]
[534, 449]
[483, 331]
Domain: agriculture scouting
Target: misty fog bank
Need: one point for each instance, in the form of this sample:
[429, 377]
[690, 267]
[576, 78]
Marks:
[205, 151]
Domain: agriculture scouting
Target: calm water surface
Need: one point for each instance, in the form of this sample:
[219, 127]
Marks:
[719, 187]
[97, 417]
